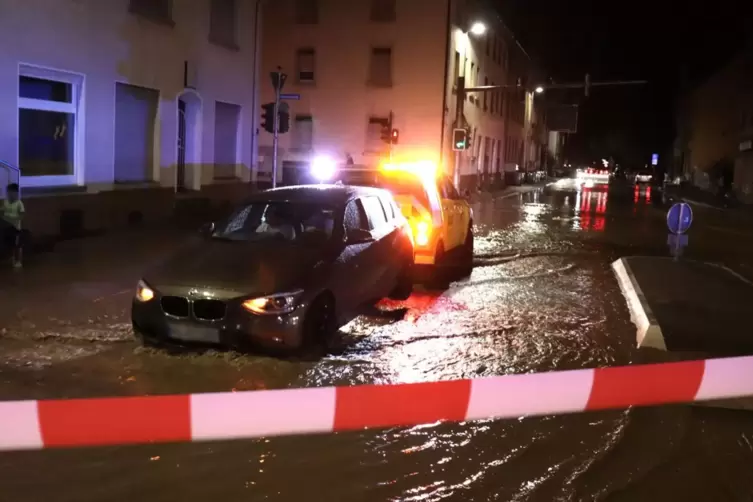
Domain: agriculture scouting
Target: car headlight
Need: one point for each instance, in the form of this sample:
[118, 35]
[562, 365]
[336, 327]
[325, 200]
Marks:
[281, 303]
[143, 292]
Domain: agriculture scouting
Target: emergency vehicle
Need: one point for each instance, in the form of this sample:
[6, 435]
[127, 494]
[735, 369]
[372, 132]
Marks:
[441, 220]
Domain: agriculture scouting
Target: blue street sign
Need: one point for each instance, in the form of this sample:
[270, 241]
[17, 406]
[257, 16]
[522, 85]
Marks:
[655, 159]
[292, 97]
[679, 218]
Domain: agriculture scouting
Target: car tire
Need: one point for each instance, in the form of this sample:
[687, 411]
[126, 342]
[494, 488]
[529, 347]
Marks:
[319, 323]
[404, 286]
[466, 254]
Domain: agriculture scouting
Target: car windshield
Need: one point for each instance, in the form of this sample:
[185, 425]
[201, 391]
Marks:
[289, 221]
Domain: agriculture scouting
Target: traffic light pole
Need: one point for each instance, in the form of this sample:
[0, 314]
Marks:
[278, 80]
[459, 102]
[390, 136]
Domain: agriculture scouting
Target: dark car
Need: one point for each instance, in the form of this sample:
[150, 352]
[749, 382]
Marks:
[284, 271]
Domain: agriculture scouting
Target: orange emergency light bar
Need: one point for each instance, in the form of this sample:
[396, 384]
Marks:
[424, 168]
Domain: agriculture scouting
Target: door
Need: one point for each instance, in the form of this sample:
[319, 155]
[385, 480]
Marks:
[462, 218]
[180, 173]
[450, 214]
[352, 273]
[380, 254]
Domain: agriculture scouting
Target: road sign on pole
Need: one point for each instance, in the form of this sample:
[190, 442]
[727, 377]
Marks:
[679, 218]
[278, 81]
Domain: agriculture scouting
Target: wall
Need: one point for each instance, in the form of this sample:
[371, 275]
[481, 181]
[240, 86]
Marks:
[340, 101]
[104, 43]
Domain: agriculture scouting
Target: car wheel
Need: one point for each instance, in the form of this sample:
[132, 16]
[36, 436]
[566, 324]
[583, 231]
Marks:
[466, 254]
[319, 323]
[404, 287]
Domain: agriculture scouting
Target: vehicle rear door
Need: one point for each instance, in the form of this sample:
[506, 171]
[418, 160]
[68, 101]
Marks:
[381, 254]
[462, 220]
[449, 214]
[354, 273]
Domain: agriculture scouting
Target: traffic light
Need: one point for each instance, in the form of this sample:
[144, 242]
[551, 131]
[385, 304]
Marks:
[459, 139]
[395, 135]
[268, 117]
[283, 125]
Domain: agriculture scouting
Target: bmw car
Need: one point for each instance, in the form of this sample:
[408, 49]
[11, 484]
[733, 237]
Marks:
[287, 269]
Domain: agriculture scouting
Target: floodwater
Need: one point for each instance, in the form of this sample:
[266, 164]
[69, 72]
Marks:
[541, 297]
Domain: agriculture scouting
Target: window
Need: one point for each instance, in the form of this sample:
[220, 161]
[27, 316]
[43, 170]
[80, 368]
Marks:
[476, 80]
[493, 99]
[49, 139]
[374, 142]
[222, 27]
[305, 61]
[383, 11]
[355, 217]
[389, 208]
[375, 212]
[135, 126]
[307, 11]
[457, 67]
[226, 122]
[380, 70]
[155, 10]
[303, 133]
[486, 95]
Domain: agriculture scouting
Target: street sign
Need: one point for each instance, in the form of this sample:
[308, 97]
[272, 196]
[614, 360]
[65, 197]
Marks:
[290, 97]
[278, 79]
[679, 218]
[655, 159]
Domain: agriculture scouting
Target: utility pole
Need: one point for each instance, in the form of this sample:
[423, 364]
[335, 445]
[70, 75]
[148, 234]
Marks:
[459, 102]
[390, 133]
[278, 81]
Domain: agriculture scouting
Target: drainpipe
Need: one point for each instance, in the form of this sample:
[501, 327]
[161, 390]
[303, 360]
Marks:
[255, 95]
[445, 81]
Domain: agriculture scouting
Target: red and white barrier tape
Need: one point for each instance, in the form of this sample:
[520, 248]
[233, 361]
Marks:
[200, 417]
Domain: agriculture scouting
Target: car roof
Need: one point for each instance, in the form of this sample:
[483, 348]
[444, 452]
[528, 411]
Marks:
[328, 194]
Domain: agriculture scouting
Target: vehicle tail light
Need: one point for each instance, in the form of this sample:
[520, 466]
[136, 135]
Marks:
[421, 233]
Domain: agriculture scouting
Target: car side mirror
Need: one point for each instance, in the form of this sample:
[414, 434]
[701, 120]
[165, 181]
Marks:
[358, 236]
[207, 229]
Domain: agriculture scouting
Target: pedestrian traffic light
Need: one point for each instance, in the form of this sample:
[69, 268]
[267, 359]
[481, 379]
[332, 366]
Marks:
[459, 139]
[268, 117]
[395, 135]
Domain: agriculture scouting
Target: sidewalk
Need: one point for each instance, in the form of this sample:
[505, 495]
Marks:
[509, 190]
[686, 305]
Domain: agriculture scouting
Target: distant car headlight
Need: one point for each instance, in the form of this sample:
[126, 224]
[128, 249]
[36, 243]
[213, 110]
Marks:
[143, 292]
[281, 303]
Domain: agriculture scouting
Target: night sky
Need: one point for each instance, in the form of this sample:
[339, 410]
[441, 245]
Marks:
[672, 47]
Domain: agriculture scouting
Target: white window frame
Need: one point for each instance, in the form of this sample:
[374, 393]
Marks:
[75, 107]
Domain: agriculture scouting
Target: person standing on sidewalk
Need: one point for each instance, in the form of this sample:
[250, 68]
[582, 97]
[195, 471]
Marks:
[12, 216]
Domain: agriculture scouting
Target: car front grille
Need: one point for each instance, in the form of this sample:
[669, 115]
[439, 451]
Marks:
[176, 306]
[209, 310]
[202, 309]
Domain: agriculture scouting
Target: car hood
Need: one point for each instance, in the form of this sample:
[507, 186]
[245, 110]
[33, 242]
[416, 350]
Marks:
[246, 267]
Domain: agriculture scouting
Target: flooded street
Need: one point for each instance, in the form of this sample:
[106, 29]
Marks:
[541, 297]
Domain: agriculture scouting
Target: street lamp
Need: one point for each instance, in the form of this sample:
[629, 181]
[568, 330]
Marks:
[478, 28]
[539, 90]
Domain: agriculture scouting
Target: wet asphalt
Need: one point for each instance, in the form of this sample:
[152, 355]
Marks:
[541, 297]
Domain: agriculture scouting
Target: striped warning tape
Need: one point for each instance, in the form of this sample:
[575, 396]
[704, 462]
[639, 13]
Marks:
[199, 417]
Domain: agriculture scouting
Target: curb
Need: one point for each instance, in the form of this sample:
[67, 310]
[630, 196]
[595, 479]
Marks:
[648, 332]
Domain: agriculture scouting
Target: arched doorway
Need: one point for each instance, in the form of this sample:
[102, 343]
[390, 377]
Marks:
[188, 164]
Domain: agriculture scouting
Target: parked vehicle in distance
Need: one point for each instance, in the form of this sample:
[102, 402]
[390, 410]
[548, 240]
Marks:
[287, 269]
[644, 176]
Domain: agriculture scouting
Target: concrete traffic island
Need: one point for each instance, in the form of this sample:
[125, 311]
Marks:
[684, 306]
[687, 306]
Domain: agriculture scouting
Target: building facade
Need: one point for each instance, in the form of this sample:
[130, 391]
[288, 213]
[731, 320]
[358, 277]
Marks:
[715, 128]
[112, 110]
[356, 64]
